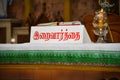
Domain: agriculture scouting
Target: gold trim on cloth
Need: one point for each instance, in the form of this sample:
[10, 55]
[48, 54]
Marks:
[61, 67]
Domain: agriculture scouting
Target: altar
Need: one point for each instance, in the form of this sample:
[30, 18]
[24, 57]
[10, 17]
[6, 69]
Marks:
[86, 54]
[59, 52]
[28, 60]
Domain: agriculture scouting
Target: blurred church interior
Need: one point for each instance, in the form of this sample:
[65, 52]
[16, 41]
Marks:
[22, 14]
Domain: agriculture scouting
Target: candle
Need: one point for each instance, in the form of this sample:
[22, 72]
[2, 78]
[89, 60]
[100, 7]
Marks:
[100, 18]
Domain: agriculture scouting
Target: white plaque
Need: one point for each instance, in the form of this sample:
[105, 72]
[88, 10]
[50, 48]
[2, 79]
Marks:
[59, 34]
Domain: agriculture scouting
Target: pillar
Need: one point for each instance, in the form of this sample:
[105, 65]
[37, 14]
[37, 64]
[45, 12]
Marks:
[119, 7]
[67, 10]
[27, 10]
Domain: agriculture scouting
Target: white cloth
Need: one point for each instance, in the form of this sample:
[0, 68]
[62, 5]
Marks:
[62, 46]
